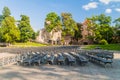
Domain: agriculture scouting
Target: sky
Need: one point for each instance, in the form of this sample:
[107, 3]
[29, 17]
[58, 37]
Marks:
[80, 9]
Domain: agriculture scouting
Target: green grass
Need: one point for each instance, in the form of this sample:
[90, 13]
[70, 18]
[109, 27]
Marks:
[28, 44]
[105, 47]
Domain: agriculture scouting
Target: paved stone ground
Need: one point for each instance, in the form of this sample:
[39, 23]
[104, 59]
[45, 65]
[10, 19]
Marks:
[52, 72]
[5, 54]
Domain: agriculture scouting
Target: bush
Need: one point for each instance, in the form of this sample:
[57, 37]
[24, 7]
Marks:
[103, 42]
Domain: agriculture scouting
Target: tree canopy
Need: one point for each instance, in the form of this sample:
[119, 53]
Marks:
[52, 21]
[117, 22]
[69, 25]
[101, 27]
[6, 12]
[78, 33]
[8, 31]
[26, 31]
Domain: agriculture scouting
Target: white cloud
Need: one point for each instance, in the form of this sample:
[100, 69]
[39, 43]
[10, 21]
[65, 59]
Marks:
[90, 5]
[105, 1]
[117, 9]
[108, 1]
[114, 0]
[108, 10]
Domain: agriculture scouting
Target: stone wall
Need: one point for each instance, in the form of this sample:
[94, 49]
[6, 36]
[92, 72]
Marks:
[54, 37]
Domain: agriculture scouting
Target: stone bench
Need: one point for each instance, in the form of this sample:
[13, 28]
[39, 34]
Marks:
[69, 59]
[81, 59]
[60, 59]
[99, 60]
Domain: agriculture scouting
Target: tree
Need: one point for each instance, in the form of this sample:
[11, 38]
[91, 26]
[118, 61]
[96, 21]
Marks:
[1, 18]
[101, 27]
[116, 38]
[69, 25]
[8, 31]
[26, 31]
[105, 28]
[78, 33]
[117, 31]
[117, 22]
[6, 12]
[52, 22]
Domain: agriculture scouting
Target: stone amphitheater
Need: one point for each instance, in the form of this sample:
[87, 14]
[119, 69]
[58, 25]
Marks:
[89, 71]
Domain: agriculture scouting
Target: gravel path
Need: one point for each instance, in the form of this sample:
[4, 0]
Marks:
[90, 71]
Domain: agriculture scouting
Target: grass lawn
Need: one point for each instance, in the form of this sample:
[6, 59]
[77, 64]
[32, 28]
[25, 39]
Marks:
[105, 47]
[28, 44]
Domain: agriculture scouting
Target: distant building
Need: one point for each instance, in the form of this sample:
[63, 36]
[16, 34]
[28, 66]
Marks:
[85, 34]
[43, 36]
[54, 37]
[67, 39]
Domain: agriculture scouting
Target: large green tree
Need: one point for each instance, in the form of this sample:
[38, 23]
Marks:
[69, 25]
[52, 22]
[26, 31]
[8, 31]
[101, 26]
[6, 12]
[78, 33]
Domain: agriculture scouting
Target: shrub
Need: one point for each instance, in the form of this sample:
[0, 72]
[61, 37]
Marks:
[103, 42]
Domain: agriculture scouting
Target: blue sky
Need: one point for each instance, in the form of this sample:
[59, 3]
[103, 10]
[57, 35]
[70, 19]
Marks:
[80, 9]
